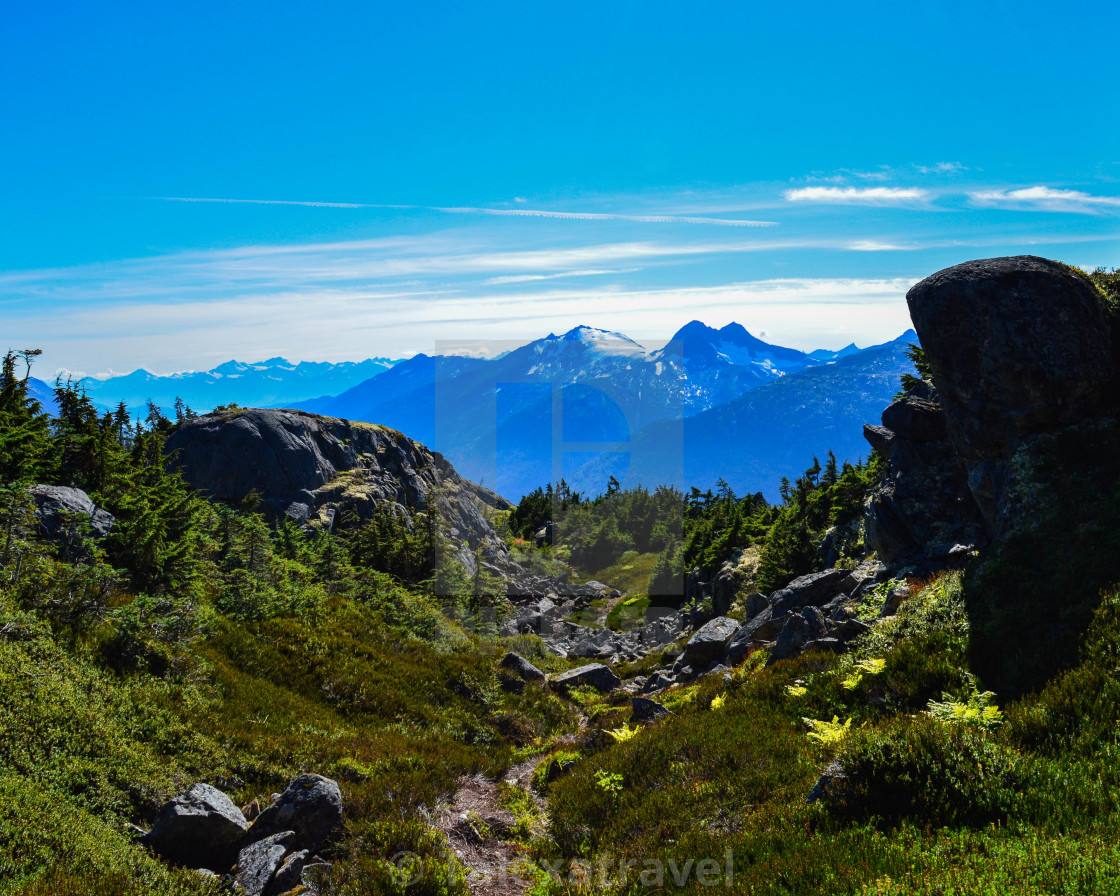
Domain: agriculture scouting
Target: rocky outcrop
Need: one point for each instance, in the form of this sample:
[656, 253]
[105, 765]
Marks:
[924, 510]
[317, 469]
[1019, 347]
[57, 506]
[734, 578]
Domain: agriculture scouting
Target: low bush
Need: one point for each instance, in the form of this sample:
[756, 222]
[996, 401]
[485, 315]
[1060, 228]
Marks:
[922, 769]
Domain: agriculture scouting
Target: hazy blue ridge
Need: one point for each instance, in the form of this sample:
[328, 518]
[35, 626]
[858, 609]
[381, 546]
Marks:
[272, 383]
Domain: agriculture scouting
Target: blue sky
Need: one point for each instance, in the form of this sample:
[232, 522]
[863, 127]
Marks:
[409, 176]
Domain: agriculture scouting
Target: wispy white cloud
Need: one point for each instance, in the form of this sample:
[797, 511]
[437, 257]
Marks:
[857, 195]
[497, 212]
[396, 261]
[264, 202]
[468, 272]
[1048, 199]
[886, 172]
[530, 278]
[941, 168]
[606, 216]
[877, 246]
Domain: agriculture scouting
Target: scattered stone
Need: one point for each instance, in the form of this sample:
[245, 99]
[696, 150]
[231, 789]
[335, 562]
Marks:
[658, 682]
[755, 603]
[850, 629]
[815, 589]
[802, 626]
[893, 600]
[201, 828]
[762, 629]
[558, 769]
[314, 877]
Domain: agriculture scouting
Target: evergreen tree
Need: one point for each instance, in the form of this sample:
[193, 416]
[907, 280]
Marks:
[24, 428]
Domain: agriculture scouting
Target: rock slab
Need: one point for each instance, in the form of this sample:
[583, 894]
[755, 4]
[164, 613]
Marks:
[521, 667]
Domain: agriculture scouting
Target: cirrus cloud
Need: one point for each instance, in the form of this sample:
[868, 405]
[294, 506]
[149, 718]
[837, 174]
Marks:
[1047, 199]
[854, 195]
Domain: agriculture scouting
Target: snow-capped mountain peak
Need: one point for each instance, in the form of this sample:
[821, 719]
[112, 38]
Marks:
[702, 347]
[598, 342]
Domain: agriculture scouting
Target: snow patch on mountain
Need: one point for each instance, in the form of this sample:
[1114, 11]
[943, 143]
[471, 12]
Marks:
[603, 342]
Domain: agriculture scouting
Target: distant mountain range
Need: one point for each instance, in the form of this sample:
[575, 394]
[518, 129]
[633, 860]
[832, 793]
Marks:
[583, 405]
[764, 434]
[272, 383]
[551, 408]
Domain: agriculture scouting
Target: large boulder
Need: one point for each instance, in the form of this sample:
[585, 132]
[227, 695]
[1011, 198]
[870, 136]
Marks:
[202, 828]
[710, 642]
[594, 675]
[56, 506]
[1017, 346]
[310, 807]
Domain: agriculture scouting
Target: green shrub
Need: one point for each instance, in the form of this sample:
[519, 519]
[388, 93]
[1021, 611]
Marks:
[920, 769]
